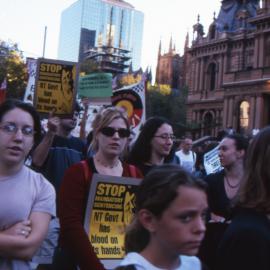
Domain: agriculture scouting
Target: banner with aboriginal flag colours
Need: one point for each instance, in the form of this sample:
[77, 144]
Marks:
[131, 97]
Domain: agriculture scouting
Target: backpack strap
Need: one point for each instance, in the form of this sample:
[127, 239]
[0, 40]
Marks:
[132, 171]
[193, 155]
[86, 170]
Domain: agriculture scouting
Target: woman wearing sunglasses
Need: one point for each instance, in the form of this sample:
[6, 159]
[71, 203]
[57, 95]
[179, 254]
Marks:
[110, 135]
[153, 144]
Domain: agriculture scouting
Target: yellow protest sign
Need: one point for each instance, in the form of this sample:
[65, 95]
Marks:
[55, 89]
[110, 209]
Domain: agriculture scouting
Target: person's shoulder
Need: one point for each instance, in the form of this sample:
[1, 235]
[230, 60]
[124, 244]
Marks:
[76, 139]
[65, 141]
[190, 263]
[246, 241]
[179, 152]
[38, 182]
[78, 166]
[36, 176]
[78, 174]
[247, 230]
[134, 260]
[130, 170]
[249, 221]
[214, 177]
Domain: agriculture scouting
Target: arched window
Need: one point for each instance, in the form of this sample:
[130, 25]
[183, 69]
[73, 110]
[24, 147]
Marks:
[243, 116]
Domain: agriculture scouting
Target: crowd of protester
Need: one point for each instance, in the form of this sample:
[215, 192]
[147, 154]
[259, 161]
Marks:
[179, 204]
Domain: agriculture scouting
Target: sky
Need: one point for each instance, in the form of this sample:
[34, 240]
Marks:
[24, 21]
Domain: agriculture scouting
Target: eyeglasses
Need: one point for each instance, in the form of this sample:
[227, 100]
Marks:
[166, 137]
[11, 128]
[109, 132]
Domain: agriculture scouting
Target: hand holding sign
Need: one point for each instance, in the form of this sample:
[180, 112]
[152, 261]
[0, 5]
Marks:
[53, 123]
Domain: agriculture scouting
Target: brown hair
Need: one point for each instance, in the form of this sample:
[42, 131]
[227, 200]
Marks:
[254, 191]
[151, 196]
[11, 104]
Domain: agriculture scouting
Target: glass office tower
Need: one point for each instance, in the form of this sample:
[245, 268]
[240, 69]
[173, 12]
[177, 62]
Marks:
[94, 23]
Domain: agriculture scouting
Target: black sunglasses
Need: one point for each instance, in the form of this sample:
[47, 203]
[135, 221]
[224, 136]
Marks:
[109, 131]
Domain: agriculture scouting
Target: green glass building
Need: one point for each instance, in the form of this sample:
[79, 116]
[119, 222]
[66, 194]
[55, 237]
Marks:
[95, 23]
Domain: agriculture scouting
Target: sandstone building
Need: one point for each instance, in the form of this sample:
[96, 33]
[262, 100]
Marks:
[228, 69]
[169, 67]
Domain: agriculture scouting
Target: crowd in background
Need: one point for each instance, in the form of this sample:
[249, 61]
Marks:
[178, 204]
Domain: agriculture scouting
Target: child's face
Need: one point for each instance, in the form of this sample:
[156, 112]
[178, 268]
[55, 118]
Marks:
[181, 227]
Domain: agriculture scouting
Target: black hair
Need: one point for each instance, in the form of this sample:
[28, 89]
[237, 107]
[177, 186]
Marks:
[155, 193]
[241, 142]
[11, 104]
[142, 149]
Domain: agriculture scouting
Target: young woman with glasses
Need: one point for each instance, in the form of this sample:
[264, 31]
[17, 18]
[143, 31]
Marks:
[153, 144]
[110, 134]
[27, 199]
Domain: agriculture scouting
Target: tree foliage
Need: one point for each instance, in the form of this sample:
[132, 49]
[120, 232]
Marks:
[130, 79]
[171, 106]
[13, 68]
[164, 89]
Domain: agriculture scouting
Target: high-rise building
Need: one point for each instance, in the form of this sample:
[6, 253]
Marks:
[96, 23]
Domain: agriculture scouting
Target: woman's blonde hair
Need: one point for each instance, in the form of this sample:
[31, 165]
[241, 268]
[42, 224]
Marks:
[103, 119]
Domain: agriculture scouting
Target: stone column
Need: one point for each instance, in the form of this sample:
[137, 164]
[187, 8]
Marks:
[256, 52]
[201, 86]
[225, 113]
[258, 109]
[261, 50]
[225, 65]
[220, 72]
[230, 112]
[251, 113]
[197, 75]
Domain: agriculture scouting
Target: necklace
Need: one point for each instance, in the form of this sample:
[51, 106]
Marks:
[107, 165]
[229, 184]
